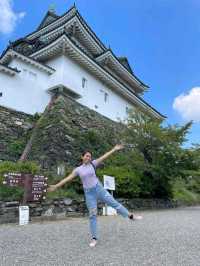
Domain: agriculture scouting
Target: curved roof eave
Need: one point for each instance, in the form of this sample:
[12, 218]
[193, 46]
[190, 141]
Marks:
[110, 52]
[11, 53]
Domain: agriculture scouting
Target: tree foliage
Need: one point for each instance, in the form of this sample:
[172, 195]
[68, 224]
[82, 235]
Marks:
[157, 157]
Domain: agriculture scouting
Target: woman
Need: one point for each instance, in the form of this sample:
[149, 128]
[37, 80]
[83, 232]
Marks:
[94, 190]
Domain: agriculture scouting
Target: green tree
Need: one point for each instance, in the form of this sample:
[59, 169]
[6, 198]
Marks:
[159, 151]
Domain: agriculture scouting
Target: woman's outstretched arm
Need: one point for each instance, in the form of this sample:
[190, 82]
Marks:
[107, 154]
[62, 182]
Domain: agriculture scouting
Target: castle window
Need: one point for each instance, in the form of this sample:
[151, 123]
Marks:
[106, 97]
[127, 110]
[1, 94]
[84, 83]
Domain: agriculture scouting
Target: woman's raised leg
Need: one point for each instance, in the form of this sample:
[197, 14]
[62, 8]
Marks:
[107, 198]
[104, 196]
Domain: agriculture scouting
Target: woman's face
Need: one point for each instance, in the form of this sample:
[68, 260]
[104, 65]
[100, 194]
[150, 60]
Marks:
[87, 157]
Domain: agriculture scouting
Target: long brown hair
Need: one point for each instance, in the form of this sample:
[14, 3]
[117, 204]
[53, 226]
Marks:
[83, 154]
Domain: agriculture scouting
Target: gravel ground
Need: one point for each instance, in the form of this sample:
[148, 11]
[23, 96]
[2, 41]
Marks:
[167, 237]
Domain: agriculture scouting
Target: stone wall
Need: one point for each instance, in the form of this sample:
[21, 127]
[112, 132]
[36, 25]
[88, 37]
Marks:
[65, 130]
[59, 133]
[15, 128]
[62, 208]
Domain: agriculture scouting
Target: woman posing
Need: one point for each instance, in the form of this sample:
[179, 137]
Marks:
[94, 190]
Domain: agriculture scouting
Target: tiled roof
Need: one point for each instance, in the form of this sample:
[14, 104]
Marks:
[49, 18]
[124, 61]
[99, 65]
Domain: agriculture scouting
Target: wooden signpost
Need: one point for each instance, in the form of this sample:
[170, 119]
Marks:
[35, 188]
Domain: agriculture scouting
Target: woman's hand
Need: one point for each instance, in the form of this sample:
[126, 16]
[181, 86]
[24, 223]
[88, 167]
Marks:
[107, 154]
[118, 147]
[51, 188]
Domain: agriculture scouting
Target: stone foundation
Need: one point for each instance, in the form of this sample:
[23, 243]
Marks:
[56, 209]
[15, 128]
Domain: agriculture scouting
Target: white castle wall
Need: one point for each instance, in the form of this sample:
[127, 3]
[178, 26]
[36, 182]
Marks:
[94, 93]
[27, 91]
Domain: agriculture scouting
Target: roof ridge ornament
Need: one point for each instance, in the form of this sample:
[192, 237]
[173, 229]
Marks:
[52, 8]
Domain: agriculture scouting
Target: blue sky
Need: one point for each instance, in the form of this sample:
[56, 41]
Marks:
[161, 39]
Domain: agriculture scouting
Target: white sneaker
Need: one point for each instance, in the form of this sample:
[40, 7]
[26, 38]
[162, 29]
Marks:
[93, 243]
[135, 217]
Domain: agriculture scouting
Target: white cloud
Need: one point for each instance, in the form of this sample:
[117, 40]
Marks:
[8, 18]
[188, 105]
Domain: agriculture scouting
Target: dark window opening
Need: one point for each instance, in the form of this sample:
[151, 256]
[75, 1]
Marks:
[84, 83]
[105, 97]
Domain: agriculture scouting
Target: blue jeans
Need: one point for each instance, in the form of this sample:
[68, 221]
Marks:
[95, 193]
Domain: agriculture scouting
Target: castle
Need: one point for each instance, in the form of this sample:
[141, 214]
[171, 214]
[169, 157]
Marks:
[64, 55]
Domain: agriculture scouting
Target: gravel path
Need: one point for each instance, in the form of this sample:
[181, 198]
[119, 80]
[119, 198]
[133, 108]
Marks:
[167, 237]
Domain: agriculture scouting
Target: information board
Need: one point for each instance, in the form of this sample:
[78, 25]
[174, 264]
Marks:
[109, 182]
[35, 186]
[23, 215]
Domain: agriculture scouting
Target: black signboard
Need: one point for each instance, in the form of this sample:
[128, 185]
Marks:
[14, 180]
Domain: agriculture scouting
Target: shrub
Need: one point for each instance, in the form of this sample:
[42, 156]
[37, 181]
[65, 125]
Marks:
[183, 194]
[16, 148]
[127, 181]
